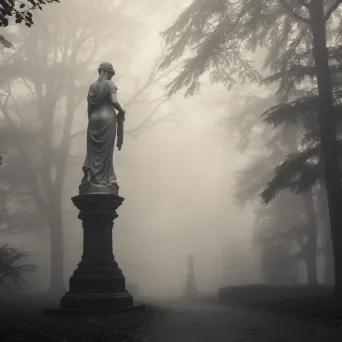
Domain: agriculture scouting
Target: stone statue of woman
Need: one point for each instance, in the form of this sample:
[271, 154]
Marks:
[104, 114]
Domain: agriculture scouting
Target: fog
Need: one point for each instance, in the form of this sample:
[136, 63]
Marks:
[177, 172]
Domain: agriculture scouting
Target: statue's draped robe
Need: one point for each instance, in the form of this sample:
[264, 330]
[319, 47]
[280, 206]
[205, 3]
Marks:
[98, 165]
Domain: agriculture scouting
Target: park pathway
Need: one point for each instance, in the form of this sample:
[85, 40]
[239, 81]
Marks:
[209, 322]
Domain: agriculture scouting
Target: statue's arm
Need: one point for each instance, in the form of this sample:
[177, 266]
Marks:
[114, 99]
[116, 103]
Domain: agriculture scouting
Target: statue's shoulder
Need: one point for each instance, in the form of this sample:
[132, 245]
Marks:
[94, 86]
[111, 87]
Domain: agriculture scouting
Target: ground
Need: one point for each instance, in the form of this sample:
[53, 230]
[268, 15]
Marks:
[21, 320]
[209, 322]
[179, 321]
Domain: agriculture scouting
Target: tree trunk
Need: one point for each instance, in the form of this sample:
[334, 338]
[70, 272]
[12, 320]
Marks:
[327, 243]
[310, 251]
[327, 121]
[57, 286]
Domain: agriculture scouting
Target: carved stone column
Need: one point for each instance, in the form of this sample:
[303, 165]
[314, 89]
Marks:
[98, 283]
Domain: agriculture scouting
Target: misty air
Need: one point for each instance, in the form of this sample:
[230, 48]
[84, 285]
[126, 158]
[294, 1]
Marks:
[170, 170]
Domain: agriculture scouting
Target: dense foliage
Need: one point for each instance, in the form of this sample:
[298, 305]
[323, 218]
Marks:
[20, 11]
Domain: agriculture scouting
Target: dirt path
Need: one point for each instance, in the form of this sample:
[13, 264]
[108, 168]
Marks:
[206, 322]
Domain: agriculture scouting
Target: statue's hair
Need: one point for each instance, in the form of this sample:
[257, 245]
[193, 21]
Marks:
[105, 66]
[111, 72]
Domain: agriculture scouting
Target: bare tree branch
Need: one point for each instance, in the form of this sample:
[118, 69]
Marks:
[291, 11]
[5, 42]
[332, 9]
[146, 120]
[33, 181]
[153, 77]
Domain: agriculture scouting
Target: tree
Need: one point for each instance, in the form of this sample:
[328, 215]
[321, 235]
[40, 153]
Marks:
[52, 70]
[52, 73]
[220, 31]
[303, 170]
[18, 210]
[291, 219]
[277, 265]
[326, 243]
[300, 172]
[21, 11]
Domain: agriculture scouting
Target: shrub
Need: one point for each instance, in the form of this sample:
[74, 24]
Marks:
[11, 268]
[249, 294]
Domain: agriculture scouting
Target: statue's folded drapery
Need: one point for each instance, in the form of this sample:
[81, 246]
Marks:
[98, 165]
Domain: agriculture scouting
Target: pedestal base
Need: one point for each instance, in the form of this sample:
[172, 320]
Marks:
[97, 302]
[100, 311]
[97, 285]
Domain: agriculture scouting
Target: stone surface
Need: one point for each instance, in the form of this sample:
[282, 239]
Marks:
[58, 312]
[98, 283]
[102, 128]
[89, 188]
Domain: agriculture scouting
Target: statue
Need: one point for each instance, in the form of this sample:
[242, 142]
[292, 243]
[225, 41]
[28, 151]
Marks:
[98, 284]
[105, 121]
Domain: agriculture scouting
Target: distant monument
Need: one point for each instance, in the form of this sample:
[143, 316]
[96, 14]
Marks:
[98, 283]
[191, 288]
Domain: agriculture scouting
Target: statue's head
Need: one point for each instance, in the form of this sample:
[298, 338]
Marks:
[106, 69]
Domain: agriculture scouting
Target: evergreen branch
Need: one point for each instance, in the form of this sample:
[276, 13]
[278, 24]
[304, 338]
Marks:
[311, 137]
[297, 72]
[296, 173]
[294, 112]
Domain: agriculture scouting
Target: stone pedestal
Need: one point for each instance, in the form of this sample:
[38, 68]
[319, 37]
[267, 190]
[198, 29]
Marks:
[98, 283]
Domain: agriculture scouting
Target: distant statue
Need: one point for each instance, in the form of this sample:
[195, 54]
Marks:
[106, 118]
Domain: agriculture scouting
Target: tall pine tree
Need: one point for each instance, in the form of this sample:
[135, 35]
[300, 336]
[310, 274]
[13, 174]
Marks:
[217, 34]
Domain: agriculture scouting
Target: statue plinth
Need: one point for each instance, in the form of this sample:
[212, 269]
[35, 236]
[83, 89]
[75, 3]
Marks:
[98, 283]
[90, 188]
